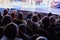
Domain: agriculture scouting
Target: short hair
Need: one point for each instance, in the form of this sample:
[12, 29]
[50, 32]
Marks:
[20, 16]
[11, 30]
[29, 16]
[34, 18]
[22, 28]
[49, 14]
[52, 19]
[7, 19]
[5, 12]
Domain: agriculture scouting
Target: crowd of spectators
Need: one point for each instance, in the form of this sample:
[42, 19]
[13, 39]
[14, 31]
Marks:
[15, 26]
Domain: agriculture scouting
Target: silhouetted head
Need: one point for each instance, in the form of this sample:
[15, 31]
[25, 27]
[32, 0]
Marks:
[34, 18]
[49, 14]
[11, 31]
[20, 16]
[46, 21]
[7, 20]
[30, 14]
[5, 12]
[22, 28]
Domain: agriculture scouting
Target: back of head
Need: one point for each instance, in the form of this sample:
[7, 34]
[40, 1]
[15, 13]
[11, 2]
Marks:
[52, 20]
[34, 18]
[41, 38]
[22, 28]
[11, 30]
[6, 20]
[5, 12]
[13, 15]
[50, 14]
[20, 16]
[29, 22]
[30, 14]
[45, 20]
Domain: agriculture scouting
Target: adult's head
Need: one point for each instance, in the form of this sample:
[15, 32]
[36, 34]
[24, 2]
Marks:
[6, 20]
[13, 14]
[11, 31]
[22, 28]
[49, 14]
[5, 12]
[52, 20]
[35, 18]
[46, 21]
[30, 14]
[20, 16]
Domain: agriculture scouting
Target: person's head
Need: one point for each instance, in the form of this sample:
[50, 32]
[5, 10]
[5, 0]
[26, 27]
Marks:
[6, 20]
[5, 12]
[34, 28]
[41, 38]
[46, 21]
[34, 18]
[13, 15]
[30, 14]
[52, 20]
[11, 31]
[29, 22]
[49, 14]
[22, 28]
[20, 16]
[14, 11]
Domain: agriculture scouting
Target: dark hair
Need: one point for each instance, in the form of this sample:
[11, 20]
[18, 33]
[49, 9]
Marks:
[20, 16]
[35, 18]
[45, 21]
[6, 20]
[13, 15]
[29, 15]
[5, 12]
[10, 30]
[22, 28]
[49, 14]
[52, 19]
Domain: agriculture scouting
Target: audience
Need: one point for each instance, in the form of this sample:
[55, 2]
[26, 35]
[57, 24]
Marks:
[34, 26]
